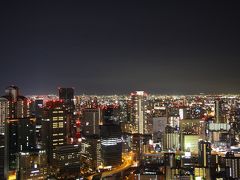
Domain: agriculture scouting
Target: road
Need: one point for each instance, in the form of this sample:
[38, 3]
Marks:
[127, 162]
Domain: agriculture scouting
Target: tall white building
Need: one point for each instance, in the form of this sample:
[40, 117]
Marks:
[138, 112]
[3, 113]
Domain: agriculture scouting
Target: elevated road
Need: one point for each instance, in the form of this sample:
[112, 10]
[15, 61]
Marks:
[127, 163]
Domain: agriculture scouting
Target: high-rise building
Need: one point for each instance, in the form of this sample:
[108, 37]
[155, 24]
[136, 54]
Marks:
[232, 166]
[91, 154]
[18, 106]
[111, 144]
[66, 95]
[3, 113]
[19, 137]
[92, 119]
[204, 153]
[138, 112]
[218, 111]
[2, 156]
[171, 141]
[37, 112]
[12, 106]
[53, 128]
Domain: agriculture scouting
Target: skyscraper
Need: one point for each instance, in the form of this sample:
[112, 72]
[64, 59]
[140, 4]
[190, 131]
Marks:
[2, 156]
[232, 166]
[3, 113]
[19, 129]
[19, 137]
[12, 106]
[138, 112]
[18, 106]
[204, 153]
[218, 111]
[91, 121]
[66, 95]
[53, 128]
[111, 145]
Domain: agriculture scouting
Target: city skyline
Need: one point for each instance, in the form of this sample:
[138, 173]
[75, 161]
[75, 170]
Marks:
[118, 47]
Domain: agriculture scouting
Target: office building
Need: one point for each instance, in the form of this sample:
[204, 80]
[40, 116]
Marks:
[111, 145]
[91, 154]
[53, 128]
[67, 161]
[232, 166]
[91, 120]
[32, 165]
[66, 94]
[171, 141]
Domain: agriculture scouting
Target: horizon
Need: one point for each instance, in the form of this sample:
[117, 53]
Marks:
[114, 47]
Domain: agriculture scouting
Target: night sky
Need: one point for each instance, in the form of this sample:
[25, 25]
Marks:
[116, 47]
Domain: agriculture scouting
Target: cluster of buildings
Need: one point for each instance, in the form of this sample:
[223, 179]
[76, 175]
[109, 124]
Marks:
[143, 136]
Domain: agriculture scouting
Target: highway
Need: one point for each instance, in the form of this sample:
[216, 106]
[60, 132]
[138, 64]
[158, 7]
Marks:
[127, 162]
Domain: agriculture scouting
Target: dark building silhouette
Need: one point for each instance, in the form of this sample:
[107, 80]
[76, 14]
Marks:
[19, 137]
[204, 153]
[67, 161]
[66, 95]
[91, 121]
[2, 156]
[111, 144]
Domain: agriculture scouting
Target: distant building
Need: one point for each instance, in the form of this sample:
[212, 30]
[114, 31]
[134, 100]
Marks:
[139, 143]
[4, 104]
[18, 106]
[171, 141]
[193, 127]
[91, 121]
[218, 111]
[138, 112]
[159, 124]
[66, 94]
[1, 156]
[204, 153]
[232, 166]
